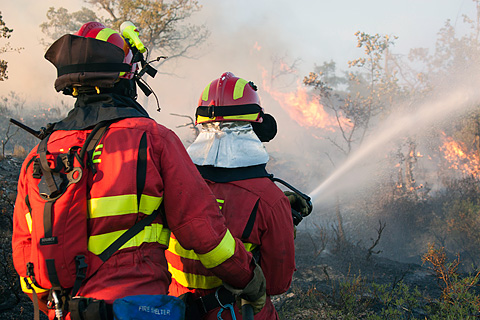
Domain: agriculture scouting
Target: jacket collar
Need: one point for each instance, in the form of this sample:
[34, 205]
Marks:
[91, 109]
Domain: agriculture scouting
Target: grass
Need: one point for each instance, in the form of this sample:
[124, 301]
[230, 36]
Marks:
[355, 298]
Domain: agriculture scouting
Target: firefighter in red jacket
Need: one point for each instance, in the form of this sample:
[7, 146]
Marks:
[230, 155]
[86, 63]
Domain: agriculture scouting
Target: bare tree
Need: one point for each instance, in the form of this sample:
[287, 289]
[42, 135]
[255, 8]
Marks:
[375, 242]
[190, 124]
[163, 24]
[8, 136]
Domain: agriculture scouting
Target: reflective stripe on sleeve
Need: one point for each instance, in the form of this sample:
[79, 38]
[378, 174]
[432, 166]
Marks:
[190, 280]
[154, 233]
[217, 256]
[124, 204]
[175, 248]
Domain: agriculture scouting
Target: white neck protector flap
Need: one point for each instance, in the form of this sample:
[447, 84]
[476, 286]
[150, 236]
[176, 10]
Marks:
[227, 145]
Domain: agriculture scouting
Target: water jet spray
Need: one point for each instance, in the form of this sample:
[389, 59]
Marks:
[461, 99]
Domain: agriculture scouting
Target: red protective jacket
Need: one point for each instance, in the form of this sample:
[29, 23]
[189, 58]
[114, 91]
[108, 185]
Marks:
[139, 267]
[272, 234]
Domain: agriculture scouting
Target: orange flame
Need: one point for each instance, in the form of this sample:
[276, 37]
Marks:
[459, 158]
[307, 111]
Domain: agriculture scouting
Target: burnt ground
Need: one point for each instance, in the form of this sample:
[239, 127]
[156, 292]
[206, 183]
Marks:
[318, 274]
[321, 277]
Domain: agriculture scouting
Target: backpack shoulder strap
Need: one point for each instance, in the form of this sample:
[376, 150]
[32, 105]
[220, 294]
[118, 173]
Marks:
[139, 226]
[251, 221]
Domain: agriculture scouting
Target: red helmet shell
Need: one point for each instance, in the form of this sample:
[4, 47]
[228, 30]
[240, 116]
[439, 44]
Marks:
[226, 91]
[98, 31]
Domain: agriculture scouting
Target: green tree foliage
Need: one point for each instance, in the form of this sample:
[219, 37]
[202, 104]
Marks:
[162, 24]
[5, 33]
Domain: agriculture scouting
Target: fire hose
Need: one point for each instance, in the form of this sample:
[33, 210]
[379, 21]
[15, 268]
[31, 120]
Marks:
[297, 216]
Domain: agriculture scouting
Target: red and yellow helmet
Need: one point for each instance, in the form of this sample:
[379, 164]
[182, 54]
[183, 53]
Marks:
[229, 98]
[98, 31]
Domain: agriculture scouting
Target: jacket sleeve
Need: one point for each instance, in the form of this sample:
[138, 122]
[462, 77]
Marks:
[194, 217]
[277, 250]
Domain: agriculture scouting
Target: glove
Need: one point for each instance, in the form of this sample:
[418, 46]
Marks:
[254, 292]
[298, 203]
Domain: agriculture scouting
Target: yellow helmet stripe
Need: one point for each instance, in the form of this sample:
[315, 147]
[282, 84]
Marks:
[240, 117]
[251, 117]
[104, 34]
[238, 90]
[205, 92]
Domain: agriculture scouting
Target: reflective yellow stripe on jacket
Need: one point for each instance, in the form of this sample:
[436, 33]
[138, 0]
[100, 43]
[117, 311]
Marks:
[120, 205]
[124, 204]
[196, 281]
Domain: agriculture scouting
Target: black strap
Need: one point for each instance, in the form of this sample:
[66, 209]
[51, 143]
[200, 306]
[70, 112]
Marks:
[47, 219]
[52, 273]
[130, 233]
[215, 111]
[224, 175]
[27, 203]
[139, 226]
[212, 301]
[94, 136]
[29, 163]
[93, 67]
[45, 167]
[251, 221]
[81, 269]
[36, 308]
[141, 167]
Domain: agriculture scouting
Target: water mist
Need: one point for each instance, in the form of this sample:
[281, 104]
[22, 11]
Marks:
[445, 106]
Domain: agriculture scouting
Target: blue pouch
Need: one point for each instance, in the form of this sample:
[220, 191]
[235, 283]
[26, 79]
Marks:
[149, 307]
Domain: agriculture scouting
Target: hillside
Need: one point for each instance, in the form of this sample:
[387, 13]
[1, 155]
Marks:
[326, 285]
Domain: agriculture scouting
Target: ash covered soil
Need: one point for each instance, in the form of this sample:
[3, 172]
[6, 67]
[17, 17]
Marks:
[319, 272]
[318, 278]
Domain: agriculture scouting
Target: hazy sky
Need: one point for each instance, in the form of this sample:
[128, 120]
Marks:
[245, 35]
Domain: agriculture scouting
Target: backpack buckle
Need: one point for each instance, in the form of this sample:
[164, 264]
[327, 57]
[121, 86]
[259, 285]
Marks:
[81, 266]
